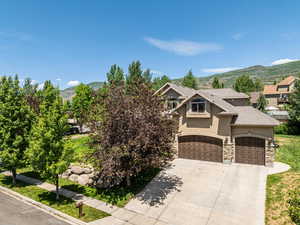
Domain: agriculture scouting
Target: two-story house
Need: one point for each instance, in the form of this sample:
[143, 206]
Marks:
[277, 95]
[219, 125]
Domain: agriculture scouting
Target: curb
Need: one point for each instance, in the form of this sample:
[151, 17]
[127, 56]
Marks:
[45, 208]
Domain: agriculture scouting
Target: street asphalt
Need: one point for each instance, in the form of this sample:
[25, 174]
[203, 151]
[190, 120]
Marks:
[16, 212]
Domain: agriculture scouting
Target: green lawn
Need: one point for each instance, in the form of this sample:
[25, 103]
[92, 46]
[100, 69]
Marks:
[279, 185]
[81, 148]
[118, 196]
[64, 205]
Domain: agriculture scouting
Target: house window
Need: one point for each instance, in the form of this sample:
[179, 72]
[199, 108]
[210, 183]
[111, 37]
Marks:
[172, 103]
[198, 105]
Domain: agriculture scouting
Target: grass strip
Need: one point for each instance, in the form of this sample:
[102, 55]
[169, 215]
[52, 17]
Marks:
[118, 196]
[64, 205]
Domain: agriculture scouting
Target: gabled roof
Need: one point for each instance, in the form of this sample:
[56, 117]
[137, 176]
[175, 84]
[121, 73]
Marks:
[184, 91]
[287, 81]
[227, 107]
[226, 93]
[249, 116]
[270, 89]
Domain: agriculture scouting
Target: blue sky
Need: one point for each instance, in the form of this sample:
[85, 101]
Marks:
[70, 40]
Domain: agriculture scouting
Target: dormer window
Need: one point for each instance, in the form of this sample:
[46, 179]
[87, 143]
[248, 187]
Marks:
[198, 105]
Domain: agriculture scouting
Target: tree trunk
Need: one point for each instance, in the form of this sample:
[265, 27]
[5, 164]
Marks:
[128, 181]
[57, 188]
[14, 176]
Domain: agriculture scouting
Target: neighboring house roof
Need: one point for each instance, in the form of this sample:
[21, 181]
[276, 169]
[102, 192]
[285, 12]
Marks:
[184, 91]
[254, 96]
[287, 81]
[273, 89]
[249, 116]
[226, 93]
[270, 89]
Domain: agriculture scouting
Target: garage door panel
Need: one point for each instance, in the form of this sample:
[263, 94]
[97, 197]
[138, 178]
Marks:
[250, 150]
[201, 148]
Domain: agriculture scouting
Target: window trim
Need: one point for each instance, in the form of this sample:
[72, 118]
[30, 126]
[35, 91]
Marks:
[198, 101]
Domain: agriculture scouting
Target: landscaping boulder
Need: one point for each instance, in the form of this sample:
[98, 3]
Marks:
[83, 179]
[77, 170]
[74, 177]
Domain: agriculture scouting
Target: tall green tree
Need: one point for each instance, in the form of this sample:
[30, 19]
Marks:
[147, 76]
[244, 84]
[115, 75]
[158, 82]
[294, 106]
[81, 104]
[258, 85]
[217, 83]
[262, 103]
[47, 152]
[15, 125]
[48, 95]
[134, 73]
[189, 80]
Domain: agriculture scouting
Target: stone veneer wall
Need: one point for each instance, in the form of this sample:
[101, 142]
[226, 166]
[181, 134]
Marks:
[270, 153]
[228, 152]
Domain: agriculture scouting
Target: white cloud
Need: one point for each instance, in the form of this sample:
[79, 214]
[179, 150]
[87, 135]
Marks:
[156, 72]
[41, 86]
[58, 79]
[219, 70]
[182, 47]
[238, 36]
[282, 61]
[32, 82]
[73, 83]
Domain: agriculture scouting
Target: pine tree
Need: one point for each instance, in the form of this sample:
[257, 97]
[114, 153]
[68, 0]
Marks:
[47, 152]
[147, 77]
[81, 104]
[189, 80]
[217, 84]
[262, 103]
[244, 84]
[15, 125]
[158, 82]
[294, 106]
[115, 75]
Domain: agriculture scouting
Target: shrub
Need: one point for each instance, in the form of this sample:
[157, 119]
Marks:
[288, 128]
[294, 206]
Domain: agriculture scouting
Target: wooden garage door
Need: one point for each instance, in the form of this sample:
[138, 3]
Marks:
[200, 148]
[250, 150]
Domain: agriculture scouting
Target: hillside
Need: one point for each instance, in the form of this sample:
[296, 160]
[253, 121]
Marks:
[68, 93]
[268, 74]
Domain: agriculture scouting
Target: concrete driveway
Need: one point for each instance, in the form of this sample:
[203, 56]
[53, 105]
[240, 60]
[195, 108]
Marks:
[196, 192]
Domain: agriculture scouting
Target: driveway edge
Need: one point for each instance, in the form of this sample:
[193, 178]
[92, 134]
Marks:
[45, 208]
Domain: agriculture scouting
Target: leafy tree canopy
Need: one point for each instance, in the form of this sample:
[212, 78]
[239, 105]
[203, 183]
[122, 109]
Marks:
[189, 80]
[244, 84]
[15, 124]
[216, 83]
[158, 82]
[47, 152]
[115, 75]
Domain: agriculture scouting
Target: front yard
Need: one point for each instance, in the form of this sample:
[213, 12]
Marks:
[280, 185]
[118, 196]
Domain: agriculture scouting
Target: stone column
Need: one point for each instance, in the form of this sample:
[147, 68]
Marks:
[270, 153]
[228, 151]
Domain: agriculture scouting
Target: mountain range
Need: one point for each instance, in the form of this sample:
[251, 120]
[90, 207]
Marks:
[267, 74]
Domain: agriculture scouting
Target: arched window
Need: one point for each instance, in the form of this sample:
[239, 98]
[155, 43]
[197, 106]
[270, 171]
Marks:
[198, 105]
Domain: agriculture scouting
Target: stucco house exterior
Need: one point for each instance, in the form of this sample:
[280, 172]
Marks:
[219, 125]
